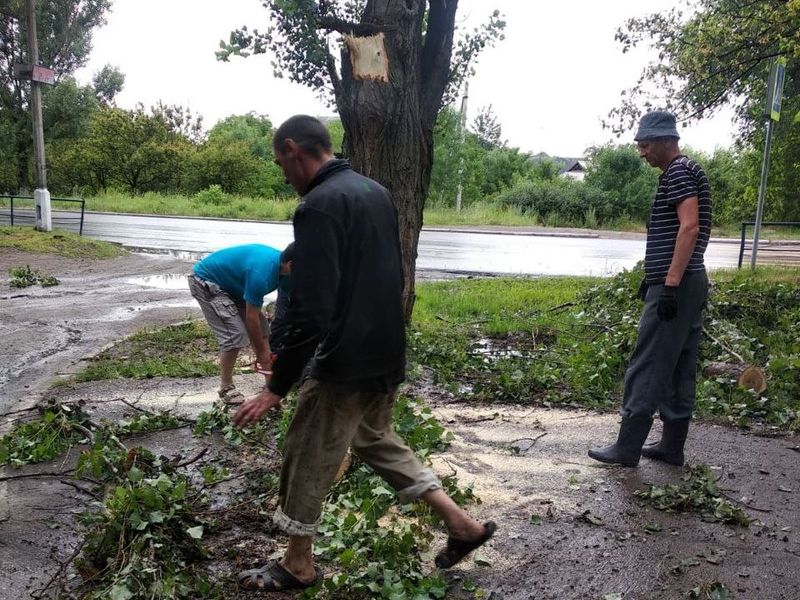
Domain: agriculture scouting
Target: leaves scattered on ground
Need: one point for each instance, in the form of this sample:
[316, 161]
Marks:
[697, 493]
[567, 341]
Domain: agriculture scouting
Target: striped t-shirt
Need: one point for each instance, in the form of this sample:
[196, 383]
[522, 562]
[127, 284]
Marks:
[683, 179]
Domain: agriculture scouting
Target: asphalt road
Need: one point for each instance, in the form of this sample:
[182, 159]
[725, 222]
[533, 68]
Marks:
[439, 250]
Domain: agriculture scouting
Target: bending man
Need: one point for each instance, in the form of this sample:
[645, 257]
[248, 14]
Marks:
[230, 286]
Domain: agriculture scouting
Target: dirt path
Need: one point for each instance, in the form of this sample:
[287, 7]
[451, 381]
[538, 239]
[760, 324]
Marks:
[524, 462]
[46, 331]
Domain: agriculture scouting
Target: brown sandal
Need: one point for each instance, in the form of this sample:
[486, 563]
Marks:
[230, 395]
[273, 577]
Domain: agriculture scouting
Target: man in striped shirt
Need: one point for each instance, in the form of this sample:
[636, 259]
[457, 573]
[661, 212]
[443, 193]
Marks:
[662, 371]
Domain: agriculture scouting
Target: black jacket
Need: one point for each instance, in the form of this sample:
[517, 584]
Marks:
[346, 306]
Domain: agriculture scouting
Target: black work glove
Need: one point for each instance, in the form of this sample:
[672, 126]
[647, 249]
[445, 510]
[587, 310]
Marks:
[668, 303]
[643, 287]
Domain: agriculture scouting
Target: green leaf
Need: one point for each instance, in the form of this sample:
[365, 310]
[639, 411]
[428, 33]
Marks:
[195, 532]
[482, 561]
[120, 592]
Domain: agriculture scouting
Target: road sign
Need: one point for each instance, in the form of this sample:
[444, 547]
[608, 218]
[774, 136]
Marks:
[36, 73]
[775, 94]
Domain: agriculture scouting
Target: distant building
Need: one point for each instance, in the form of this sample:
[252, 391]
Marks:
[574, 168]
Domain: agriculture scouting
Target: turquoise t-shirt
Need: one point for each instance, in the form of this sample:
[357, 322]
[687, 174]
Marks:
[247, 273]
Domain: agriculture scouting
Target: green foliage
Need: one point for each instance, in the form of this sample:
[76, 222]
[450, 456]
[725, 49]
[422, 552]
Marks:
[132, 149]
[145, 539]
[58, 427]
[567, 341]
[22, 277]
[218, 420]
[698, 493]
[147, 422]
[757, 319]
[65, 29]
[214, 194]
[627, 182]
[556, 202]
[488, 129]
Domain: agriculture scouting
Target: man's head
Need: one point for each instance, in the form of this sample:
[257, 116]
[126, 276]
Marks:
[286, 260]
[657, 138]
[302, 145]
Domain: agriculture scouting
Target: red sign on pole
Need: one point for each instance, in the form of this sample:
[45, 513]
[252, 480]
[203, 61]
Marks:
[43, 75]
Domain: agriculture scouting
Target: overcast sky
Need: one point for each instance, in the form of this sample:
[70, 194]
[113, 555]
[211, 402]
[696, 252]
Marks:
[550, 82]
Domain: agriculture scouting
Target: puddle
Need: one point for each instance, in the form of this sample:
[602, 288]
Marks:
[188, 255]
[491, 350]
[131, 312]
[169, 281]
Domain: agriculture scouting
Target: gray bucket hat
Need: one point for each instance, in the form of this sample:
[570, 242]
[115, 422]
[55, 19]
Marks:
[656, 124]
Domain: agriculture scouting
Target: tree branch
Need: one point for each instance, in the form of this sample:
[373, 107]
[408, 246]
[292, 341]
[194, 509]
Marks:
[330, 23]
[436, 54]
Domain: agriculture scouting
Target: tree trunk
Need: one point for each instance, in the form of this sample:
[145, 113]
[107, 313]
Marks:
[388, 125]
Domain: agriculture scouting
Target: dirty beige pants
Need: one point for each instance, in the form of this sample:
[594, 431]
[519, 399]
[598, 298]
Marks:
[330, 419]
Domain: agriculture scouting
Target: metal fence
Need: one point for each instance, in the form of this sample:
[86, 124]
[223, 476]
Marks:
[21, 210]
[746, 224]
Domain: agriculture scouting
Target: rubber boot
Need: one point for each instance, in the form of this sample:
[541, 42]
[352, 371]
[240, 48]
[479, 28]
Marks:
[670, 448]
[626, 452]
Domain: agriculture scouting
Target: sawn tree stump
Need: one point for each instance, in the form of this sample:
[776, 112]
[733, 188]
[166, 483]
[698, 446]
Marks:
[747, 376]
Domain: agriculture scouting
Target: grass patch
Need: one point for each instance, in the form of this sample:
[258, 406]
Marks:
[567, 341]
[62, 243]
[183, 350]
[232, 207]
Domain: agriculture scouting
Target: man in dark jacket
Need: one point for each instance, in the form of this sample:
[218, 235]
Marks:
[662, 371]
[345, 317]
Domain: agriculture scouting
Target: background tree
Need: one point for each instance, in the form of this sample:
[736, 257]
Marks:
[388, 116]
[132, 150]
[488, 129]
[715, 53]
[627, 181]
[108, 82]
[64, 30]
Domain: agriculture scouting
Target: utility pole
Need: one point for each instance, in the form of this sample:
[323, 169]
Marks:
[462, 125]
[41, 195]
[777, 72]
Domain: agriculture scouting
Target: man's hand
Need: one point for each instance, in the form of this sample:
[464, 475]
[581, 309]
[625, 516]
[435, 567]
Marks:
[254, 408]
[667, 308]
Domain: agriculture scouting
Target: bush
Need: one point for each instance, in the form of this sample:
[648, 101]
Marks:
[212, 195]
[559, 201]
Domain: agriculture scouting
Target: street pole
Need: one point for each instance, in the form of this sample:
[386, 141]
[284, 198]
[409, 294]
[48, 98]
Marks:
[777, 74]
[762, 191]
[462, 125]
[41, 195]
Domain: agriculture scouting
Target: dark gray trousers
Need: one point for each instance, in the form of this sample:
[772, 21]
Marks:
[663, 369]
